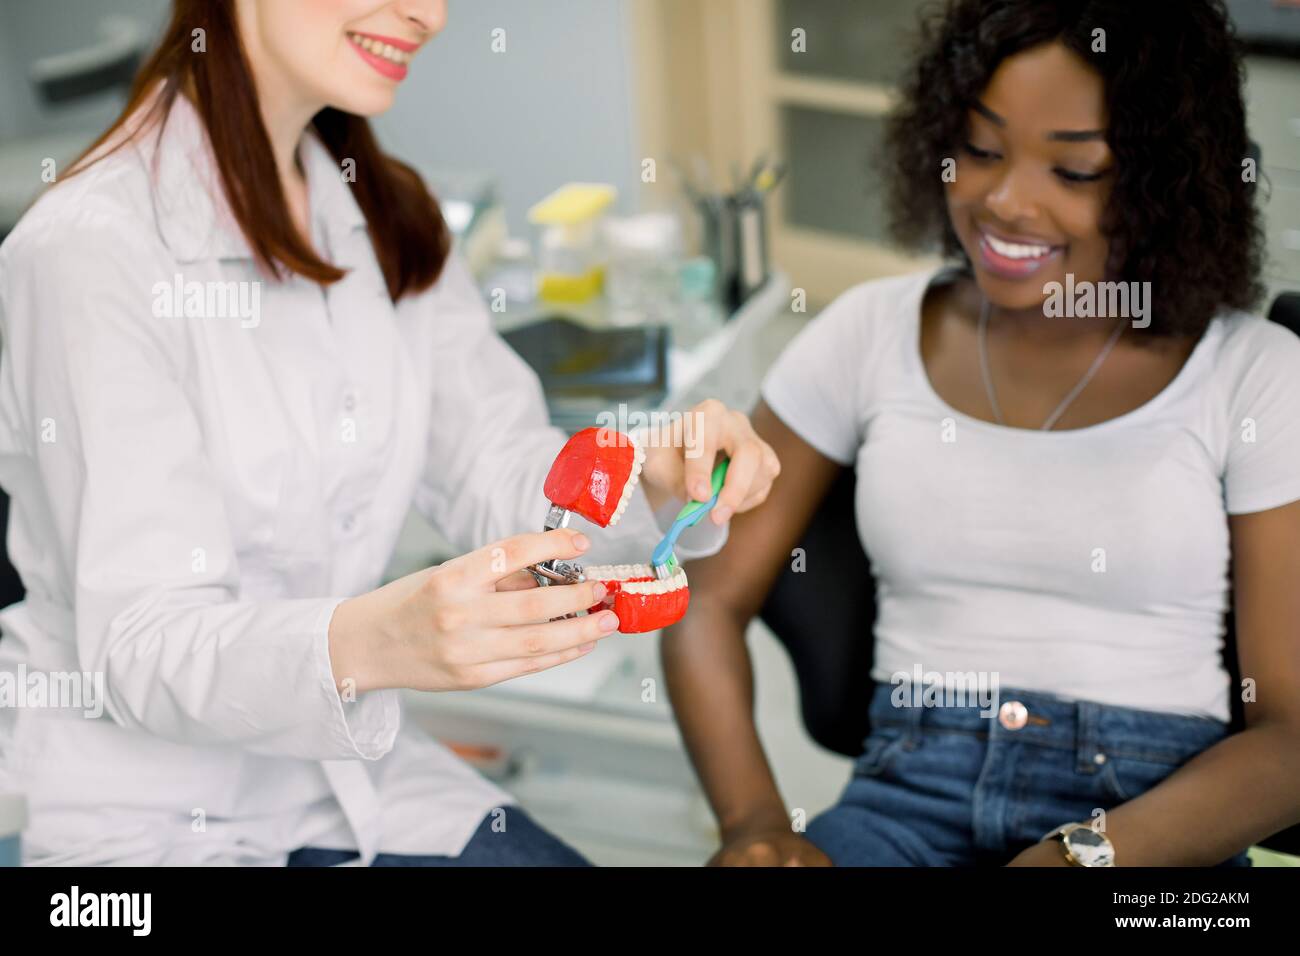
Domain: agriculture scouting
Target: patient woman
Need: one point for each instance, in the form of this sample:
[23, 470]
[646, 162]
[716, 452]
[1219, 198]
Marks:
[1049, 502]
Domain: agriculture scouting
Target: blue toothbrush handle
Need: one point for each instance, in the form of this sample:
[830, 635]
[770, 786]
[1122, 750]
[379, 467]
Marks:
[665, 547]
[689, 516]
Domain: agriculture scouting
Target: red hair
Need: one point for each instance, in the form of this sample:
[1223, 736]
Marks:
[409, 236]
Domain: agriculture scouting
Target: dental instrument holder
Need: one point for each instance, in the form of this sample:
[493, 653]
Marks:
[749, 247]
[717, 216]
[735, 238]
[735, 227]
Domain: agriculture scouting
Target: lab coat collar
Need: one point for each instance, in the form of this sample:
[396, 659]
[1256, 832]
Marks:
[193, 216]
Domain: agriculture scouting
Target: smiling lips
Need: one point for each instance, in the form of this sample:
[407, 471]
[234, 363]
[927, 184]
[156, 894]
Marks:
[1014, 260]
[388, 55]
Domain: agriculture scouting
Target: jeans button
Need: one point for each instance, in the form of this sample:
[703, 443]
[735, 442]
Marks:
[1013, 715]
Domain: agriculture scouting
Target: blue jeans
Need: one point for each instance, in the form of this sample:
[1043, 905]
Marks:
[944, 786]
[520, 843]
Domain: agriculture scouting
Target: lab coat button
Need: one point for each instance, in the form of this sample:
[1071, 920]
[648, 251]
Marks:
[349, 401]
[349, 523]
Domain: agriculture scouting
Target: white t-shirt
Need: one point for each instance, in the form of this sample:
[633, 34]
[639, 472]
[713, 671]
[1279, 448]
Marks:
[1089, 563]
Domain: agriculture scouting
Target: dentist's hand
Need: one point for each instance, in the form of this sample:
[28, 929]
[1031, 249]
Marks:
[680, 457]
[477, 620]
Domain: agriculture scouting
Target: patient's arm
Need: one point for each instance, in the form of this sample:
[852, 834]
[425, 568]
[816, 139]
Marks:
[707, 663]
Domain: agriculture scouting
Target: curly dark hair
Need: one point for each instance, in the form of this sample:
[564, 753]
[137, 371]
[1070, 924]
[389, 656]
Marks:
[1181, 215]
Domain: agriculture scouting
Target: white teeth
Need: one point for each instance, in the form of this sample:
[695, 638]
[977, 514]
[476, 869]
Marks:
[638, 458]
[623, 572]
[618, 572]
[1014, 250]
[390, 53]
[676, 582]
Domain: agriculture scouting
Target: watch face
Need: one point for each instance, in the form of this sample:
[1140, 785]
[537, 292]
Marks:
[1090, 847]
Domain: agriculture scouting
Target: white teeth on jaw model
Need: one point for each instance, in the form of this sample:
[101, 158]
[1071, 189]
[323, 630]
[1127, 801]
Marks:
[627, 575]
[634, 479]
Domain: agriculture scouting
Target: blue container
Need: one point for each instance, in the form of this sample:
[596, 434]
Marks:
[13, 817]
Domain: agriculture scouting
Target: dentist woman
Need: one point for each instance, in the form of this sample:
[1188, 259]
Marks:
[204, 504]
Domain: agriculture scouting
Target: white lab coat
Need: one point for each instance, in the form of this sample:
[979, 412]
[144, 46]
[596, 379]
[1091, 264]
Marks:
[193, 496]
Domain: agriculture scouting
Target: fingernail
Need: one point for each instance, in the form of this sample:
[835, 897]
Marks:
[598, 591]
[584, 648]
[580, 542]
[703, 490]
[721, 515]
[608, 621]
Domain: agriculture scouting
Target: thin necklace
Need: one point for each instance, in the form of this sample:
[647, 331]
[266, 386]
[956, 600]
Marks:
[1052, 419]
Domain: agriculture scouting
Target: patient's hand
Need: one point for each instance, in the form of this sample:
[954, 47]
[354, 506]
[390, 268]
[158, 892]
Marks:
[779, 846]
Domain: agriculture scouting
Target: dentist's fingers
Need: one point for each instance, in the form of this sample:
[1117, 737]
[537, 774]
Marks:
[698, 468]
[768, 471]
[519, 581]
[498, 671]
[752, 470]
[516, 646]
[537, 605]
[481, 569]
[739, 484]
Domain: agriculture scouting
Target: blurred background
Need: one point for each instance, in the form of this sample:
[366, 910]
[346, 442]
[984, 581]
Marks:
[667, 190]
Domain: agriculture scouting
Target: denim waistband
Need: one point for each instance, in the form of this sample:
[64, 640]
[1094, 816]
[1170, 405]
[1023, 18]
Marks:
[1087, 727]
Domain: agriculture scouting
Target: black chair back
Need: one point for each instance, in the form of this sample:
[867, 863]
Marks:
[825, 616]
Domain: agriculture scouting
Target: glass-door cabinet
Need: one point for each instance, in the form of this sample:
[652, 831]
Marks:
[808, 82]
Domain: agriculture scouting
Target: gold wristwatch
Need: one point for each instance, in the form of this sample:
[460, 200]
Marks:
[1083, 845]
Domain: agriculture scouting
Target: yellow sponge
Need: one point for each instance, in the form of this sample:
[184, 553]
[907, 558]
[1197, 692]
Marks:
[572, 204]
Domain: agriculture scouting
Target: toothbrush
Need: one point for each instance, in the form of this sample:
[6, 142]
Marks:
[664, 561]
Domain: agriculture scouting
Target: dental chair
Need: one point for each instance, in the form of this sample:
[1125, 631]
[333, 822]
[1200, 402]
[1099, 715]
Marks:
[827, 628]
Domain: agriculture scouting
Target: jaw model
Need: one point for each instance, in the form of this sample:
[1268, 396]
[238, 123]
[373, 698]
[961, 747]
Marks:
[641, 601]
[595, 475]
